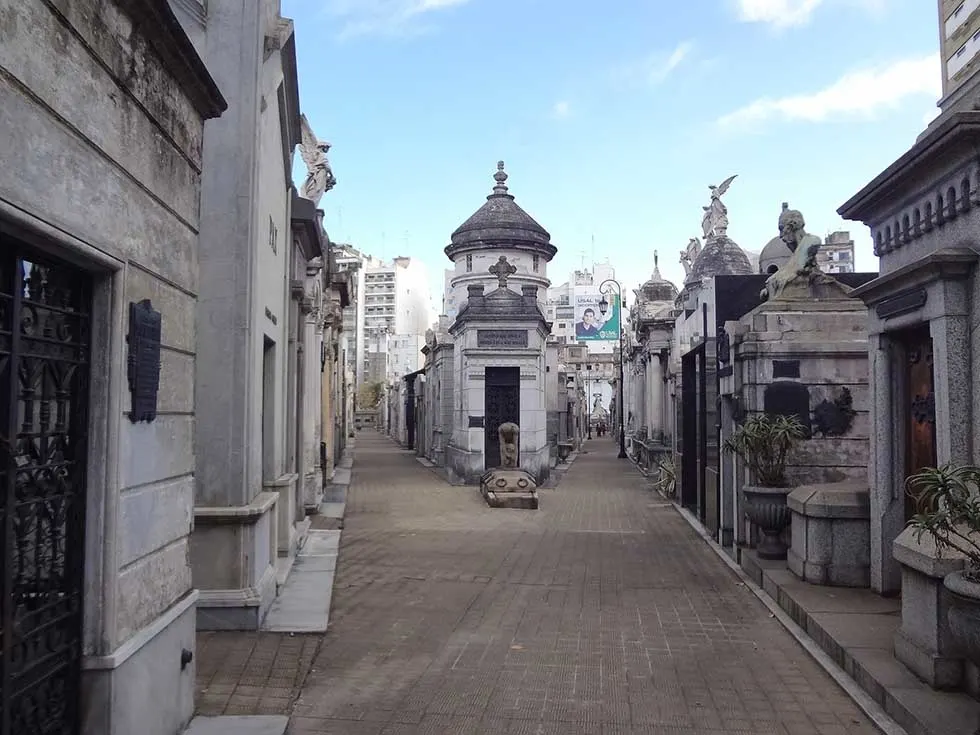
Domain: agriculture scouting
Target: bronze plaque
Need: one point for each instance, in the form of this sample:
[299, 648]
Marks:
[143, 363]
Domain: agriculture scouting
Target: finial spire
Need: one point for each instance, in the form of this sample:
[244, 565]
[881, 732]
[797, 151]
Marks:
[656, 264]
[500, 177]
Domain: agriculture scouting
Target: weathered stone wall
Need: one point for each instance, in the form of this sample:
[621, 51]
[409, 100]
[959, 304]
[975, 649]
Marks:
[101, 150]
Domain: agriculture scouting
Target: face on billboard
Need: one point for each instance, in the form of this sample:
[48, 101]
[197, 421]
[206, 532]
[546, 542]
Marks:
[591, 325]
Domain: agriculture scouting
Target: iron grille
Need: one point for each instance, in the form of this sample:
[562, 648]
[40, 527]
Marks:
[44, 357]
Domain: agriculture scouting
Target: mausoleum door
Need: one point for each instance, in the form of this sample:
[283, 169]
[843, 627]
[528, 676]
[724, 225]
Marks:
[920, 406]
[45, 308]
[502, 401]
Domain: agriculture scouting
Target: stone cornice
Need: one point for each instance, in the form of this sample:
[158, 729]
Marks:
[156, 20]
[947, 264]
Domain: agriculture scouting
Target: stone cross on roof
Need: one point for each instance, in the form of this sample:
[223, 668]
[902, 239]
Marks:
[502, 270]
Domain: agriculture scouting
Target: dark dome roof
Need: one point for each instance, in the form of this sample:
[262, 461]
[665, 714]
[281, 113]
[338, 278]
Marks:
[658, 288]
[776, 252]
[720, 256]
[501, 221]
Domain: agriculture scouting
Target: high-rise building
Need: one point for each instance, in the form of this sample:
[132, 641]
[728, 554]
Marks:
[836, 255]
[959, 43]
[397, 312]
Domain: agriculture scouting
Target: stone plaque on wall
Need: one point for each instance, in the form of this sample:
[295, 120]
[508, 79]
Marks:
[785, 398]
[501, 338]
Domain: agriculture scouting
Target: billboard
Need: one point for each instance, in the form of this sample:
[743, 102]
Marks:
[591, 325]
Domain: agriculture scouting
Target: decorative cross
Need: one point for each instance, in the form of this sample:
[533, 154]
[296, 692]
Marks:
[502, 270]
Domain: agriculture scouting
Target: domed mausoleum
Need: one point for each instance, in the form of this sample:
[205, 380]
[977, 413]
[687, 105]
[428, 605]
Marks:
[495, 301]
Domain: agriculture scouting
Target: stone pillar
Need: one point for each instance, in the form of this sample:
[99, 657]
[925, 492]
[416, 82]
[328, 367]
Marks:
[655, 383]
[887, 501]
[951, 368]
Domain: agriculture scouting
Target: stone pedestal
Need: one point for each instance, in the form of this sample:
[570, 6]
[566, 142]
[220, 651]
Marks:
[924, 642]
[831, 534]
[509, 488]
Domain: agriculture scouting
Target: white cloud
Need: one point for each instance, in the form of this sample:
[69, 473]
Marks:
[778, 13]
[654, 68]
[561, 109]
[385, 17]
[789, 13]
[861, 93]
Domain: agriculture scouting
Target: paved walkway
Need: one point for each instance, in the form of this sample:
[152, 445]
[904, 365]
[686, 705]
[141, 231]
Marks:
[600, 613]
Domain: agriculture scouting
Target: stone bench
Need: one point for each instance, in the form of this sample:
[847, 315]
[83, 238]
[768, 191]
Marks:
[831, 534]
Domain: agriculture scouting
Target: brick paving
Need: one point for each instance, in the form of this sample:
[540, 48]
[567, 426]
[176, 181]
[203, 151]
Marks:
[600, 613]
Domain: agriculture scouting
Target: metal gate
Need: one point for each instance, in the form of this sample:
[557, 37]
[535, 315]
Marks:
[502, 402]
[44, 357]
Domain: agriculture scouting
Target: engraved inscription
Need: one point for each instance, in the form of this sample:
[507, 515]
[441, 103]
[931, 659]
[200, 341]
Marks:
[501, 338]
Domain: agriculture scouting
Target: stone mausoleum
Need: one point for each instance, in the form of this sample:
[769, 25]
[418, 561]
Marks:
[499, 338]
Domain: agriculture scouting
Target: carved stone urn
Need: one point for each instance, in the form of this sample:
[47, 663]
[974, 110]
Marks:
[766, 508]
[964, 613]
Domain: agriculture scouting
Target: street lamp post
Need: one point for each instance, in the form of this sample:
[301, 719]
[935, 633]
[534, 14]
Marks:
[613, 286]
[588, 387]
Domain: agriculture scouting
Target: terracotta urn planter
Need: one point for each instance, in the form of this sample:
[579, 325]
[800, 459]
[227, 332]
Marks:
[964, 613]
[766, 508]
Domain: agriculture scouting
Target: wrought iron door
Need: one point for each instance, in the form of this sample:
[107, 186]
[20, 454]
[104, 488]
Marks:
[44, 356]
[502, 402]
[920, 407]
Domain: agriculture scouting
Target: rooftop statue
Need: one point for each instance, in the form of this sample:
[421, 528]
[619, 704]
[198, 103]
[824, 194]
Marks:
[320, 178]
[792, 231]
[689, 253]
[715, 220]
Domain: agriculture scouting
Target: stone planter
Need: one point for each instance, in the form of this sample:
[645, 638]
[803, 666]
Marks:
[963, 614]
[766, 508]
[831, 534]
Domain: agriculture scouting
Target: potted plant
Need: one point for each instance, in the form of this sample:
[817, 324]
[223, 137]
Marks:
[763, 442]
[947, 507]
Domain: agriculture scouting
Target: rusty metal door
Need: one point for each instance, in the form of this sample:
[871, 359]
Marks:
[920, 406]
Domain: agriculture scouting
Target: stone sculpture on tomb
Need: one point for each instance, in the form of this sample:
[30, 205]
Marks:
[509, 434]
[509, 486]
[801, 268]
[320, 178]
[715, 220]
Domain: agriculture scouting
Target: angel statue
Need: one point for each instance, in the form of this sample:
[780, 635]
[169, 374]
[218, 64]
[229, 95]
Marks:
[715, 220]
[689, 253]
[320, 178]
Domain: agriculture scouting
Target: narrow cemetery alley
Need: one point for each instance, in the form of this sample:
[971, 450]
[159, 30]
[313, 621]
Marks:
[602, 612]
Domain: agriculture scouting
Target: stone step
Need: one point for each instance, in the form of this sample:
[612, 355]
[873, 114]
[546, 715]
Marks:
[238, 725]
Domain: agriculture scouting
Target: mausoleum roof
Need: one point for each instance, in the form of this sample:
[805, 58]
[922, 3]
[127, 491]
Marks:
[500, 223]
[720, 256]
[658, 288]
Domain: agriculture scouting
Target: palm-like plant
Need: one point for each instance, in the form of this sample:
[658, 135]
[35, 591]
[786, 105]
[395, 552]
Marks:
[763, 442]
[666, 481]
[947, 505]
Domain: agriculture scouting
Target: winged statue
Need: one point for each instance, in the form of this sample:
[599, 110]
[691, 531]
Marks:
[319, 177]
[715, 220]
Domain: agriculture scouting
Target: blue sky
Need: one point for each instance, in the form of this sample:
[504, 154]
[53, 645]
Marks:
[612, 118]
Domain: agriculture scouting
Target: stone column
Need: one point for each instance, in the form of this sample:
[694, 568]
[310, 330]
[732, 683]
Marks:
[887, 501]
[655, 381]
[951, 371]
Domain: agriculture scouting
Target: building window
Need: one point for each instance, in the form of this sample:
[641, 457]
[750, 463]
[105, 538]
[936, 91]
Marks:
[561, 325]
[469, 263]
[535, 263]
